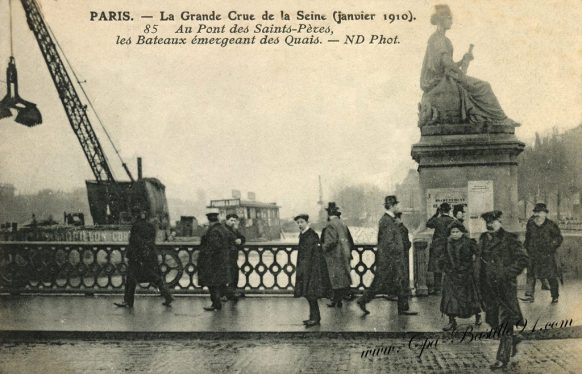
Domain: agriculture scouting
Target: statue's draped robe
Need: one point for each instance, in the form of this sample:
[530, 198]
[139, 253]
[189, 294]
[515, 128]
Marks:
[478, 103]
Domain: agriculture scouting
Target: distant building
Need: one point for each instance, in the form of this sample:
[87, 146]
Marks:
[186, 226]
[258, 221]
[7, 191]
[408, 193]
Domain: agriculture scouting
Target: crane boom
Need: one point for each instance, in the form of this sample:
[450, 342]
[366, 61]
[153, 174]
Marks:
[110, 201]
[76, 111]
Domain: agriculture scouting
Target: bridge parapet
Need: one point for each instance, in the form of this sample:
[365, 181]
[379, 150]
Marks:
[92, 268]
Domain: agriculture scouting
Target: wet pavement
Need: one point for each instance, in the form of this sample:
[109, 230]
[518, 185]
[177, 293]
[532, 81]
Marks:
[251, 314]
[265, 334]
[282, 356]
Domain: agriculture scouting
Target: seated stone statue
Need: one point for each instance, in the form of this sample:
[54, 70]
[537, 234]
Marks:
[450, 96]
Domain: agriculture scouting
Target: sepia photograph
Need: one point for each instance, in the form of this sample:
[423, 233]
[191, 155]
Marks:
[290, 187]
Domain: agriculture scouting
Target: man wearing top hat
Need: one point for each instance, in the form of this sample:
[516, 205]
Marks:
[389, 277]
[142, 259]
[440, 222]
[337, 244]
[214, 259]
[501, 260]
[542, 239]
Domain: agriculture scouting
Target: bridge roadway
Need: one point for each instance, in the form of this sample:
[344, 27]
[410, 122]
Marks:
[50, 333]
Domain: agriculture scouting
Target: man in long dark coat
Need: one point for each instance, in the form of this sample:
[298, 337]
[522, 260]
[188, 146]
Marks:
[542, 239]
[406, 244]
[337, 250]
[214, 260]
[237, 240]
[142, 257]
[311, 277]
[389, 276]
[440, 222]
[501, 261]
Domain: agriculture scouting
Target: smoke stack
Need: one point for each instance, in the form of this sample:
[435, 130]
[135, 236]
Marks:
[139, 170]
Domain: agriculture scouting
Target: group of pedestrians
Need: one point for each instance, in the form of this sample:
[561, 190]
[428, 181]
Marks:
[324, 269]
[218, 258]
[472, 276]
[483, 276]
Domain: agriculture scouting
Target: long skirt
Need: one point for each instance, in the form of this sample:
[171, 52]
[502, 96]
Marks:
[460, 297]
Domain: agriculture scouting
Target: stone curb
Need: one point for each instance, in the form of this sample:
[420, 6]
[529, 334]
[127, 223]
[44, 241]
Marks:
[43, 335]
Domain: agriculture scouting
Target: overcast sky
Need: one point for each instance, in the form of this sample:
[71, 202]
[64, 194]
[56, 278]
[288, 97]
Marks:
[271, 119]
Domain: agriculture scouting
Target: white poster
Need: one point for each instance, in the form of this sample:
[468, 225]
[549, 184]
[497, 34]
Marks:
[480, 197]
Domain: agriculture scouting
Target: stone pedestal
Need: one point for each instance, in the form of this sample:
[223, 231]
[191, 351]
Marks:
[450, 157]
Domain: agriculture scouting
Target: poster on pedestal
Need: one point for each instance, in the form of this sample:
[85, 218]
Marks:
[480, 200]
[436, 196]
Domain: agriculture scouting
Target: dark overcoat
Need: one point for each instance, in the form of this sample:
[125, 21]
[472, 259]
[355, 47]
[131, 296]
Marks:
[440, 225]
[389, 274]
[234, 253]
[460, 294]
[541, 244]
[406, 244]
[337, 247]
[214, 258]
[142, 254]
[311, 277]
[502, 259]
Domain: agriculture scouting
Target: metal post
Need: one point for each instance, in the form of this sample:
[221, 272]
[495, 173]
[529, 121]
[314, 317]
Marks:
[420, 266]
[139, 169]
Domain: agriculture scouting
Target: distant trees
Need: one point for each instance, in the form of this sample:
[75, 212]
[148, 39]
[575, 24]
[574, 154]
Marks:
[43, 204]
[361, 204]
[549, 170]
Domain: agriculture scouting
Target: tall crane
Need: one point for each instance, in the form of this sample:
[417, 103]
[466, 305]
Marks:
[76, 111]
[110, 201]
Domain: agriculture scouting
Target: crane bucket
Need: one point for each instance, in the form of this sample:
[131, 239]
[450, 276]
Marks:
[28, 114]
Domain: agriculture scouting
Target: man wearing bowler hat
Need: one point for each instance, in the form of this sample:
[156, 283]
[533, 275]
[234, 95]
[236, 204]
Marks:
[440, 222]
[389, 277]
[337, 244]
[542, 240]
[501, 260]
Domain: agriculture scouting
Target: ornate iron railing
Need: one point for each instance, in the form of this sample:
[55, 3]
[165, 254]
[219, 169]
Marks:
[45, 267]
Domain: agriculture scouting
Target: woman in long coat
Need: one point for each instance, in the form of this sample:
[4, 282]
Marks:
[460, 296]
[311, 277]
[440, 223]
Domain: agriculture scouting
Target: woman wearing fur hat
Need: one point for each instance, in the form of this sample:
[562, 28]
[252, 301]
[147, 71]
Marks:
[460, 297]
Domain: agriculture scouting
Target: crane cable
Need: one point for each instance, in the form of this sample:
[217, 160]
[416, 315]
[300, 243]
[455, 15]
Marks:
[83, 90]
[10, 31]
[10, 27]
